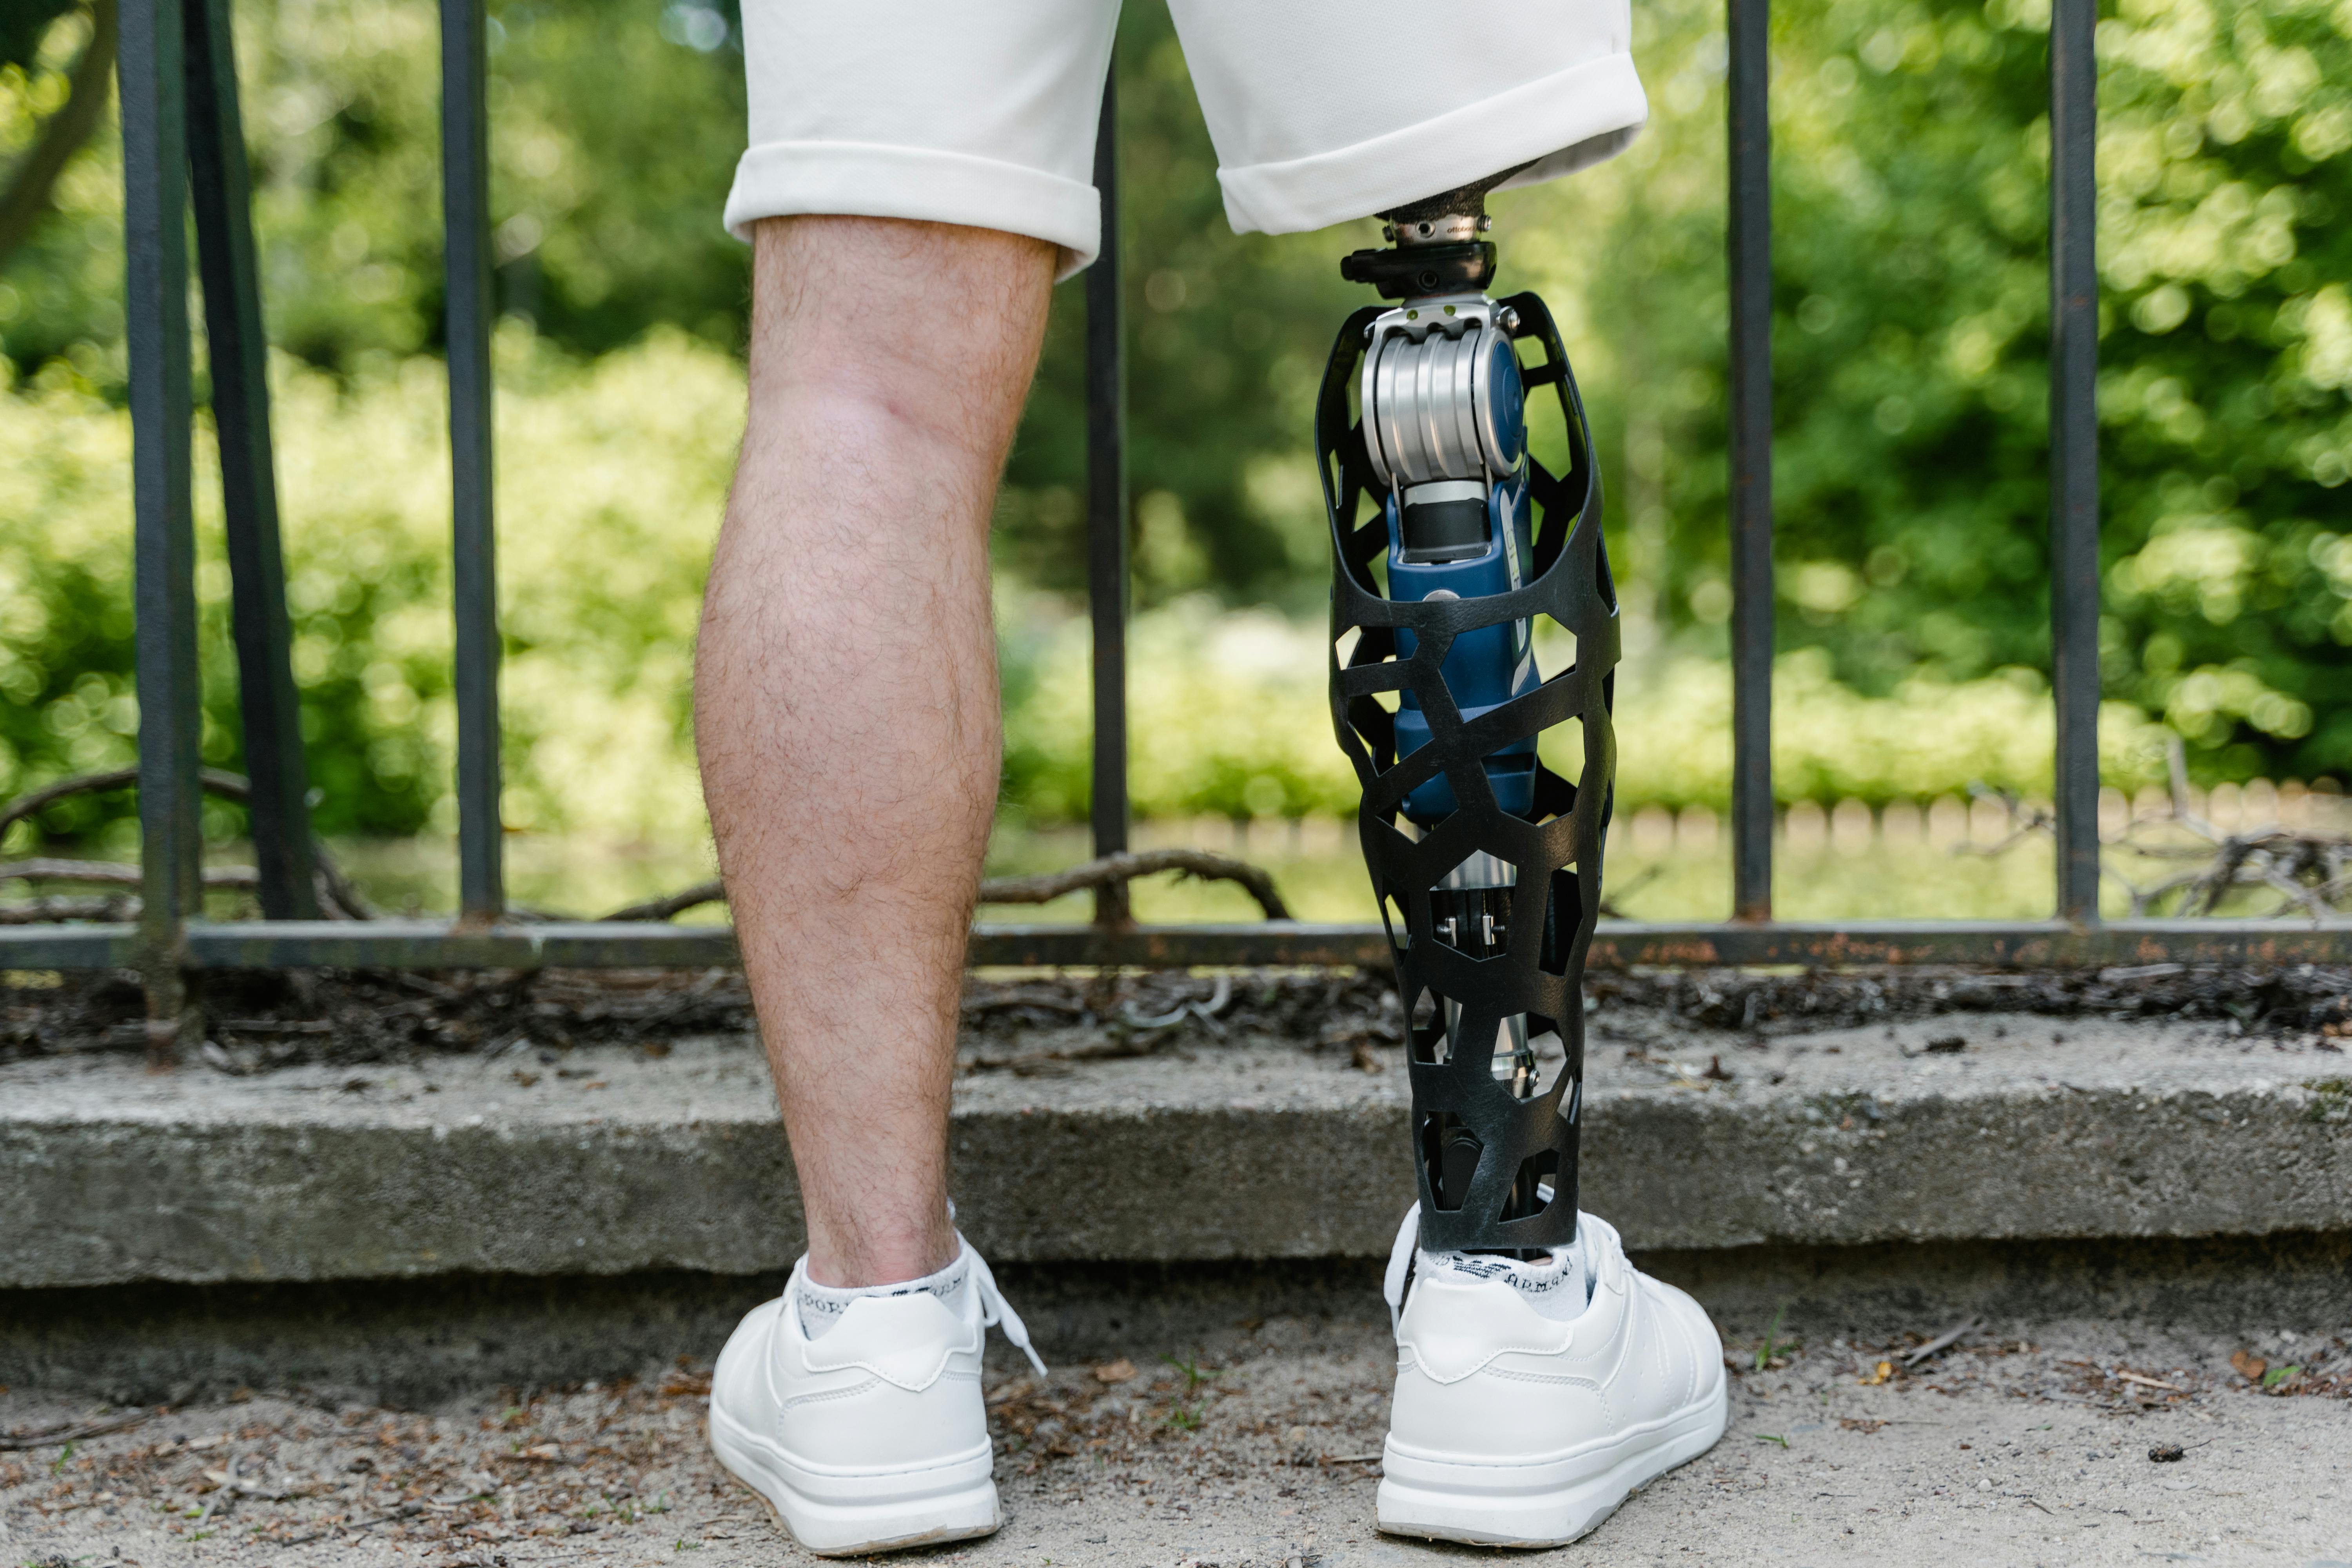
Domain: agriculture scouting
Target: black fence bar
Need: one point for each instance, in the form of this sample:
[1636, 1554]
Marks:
[238, 350]
[1619, 944]
[466, 218]
[1107, 574]
[156, 319]
[1750, 267]
[2074, 448]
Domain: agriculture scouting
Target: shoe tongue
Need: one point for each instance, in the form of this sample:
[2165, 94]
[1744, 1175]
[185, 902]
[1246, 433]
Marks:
[1557, 1287]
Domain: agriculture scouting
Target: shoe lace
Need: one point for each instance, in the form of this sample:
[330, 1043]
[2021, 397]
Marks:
[1408, 1240]
[995, 1311]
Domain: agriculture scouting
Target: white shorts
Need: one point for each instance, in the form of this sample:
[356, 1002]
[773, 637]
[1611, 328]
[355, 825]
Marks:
[982, 111]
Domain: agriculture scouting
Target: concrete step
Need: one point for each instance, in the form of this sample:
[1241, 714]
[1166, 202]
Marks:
[1250, 1145]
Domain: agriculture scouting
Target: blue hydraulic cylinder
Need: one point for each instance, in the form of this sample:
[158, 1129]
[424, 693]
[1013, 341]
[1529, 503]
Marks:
[1484, 667]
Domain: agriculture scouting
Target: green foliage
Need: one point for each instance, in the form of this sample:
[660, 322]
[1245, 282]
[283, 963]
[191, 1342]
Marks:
[1911, 318]
[1910, 368]
[65, 702]
[1193, 1371]
[611, 477]
[1229, 717]
[1770, 1346]
[611, 150]
[24, 24]
[61, 288]
[1226, 717]
[1910, 333]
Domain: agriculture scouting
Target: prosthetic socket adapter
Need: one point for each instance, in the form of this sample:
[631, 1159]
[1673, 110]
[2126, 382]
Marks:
[1451, 541]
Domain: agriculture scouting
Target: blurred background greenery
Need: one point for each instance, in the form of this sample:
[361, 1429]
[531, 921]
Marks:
[1910, 348]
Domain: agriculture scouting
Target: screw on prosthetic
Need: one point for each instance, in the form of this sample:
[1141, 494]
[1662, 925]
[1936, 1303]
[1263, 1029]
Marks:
[1452, 544]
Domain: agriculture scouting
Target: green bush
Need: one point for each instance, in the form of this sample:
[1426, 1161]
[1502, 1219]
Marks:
[611, 477]
[610, 480]
[1229, 718]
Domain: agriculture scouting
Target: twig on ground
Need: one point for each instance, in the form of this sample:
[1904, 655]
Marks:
[404, 1510]
[1609, 906]
[110, 874]
[1942, 1341]
[1107, 1048]
[336, 892]
[1206, 1012]
[1042, 888]
[2024, 821]
[2148, 1382]
[229, 786]
[710, 892]
[1030, 996]
[18, 1442]
[2310, 871]
[1126, 866]
[44, 910]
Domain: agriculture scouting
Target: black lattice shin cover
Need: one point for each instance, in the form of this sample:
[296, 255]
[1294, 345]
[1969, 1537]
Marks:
[1459, 1110]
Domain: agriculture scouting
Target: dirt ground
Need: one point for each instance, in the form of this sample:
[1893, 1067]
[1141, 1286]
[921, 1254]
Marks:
[260, 1021]
[1258, 1446]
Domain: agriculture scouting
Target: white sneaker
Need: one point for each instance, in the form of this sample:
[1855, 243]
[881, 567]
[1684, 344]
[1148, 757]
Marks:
[1533, 1398]
[871, 1435]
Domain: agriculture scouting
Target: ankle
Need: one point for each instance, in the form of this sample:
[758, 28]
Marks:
[878, 1260]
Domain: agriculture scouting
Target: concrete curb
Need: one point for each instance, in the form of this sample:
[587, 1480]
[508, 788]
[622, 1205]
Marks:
[618, 1162]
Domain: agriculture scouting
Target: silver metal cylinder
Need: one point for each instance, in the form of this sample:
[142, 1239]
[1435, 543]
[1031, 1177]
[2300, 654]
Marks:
[1433, 398]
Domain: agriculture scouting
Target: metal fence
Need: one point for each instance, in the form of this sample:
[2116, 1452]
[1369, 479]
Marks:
[183, 140]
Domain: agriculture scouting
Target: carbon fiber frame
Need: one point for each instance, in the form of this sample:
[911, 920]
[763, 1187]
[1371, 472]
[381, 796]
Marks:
[1557, 854]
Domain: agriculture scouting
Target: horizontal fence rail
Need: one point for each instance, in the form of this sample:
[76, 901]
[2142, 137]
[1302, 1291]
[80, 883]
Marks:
[1617, 945]
[183, 137]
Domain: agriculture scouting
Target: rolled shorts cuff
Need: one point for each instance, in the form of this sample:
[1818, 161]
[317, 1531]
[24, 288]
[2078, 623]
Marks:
[1564, 120]
[858, 179]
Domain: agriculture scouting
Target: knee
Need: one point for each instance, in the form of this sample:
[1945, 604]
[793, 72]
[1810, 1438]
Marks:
[921, 327]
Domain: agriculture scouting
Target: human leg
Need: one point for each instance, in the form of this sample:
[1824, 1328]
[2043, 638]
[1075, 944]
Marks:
[845, 710]
[912, 190]
[845, 698]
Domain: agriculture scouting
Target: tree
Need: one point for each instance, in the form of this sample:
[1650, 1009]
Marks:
[25, 24]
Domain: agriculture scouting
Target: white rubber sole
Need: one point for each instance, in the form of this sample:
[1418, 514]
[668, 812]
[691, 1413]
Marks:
[1539, 1505]
[845, 1513]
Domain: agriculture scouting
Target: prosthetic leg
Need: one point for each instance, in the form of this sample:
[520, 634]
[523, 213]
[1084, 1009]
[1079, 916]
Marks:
[1451, 541]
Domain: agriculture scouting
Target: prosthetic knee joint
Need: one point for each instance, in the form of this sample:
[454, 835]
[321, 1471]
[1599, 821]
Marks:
[1453, 545]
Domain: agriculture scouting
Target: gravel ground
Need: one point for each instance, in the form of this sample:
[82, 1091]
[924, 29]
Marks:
[1259, 1447]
